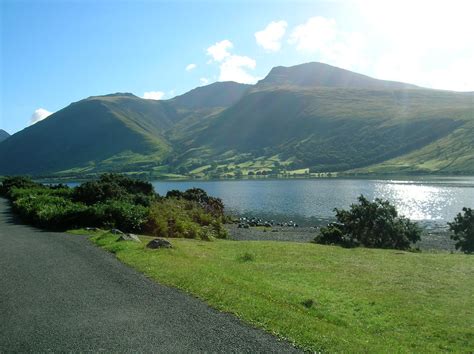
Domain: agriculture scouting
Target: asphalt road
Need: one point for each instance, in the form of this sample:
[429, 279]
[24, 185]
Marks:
[58, 292]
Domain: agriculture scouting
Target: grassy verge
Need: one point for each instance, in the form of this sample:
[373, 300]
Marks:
[322, 297]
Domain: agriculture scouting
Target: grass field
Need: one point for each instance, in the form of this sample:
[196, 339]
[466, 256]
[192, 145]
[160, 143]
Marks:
[322, 298]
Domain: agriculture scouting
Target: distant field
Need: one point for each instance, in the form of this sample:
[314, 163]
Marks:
[322, 297]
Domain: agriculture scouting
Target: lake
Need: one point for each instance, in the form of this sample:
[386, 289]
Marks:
[428, 200]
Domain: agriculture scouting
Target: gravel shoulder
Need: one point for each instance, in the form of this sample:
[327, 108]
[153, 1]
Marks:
[61, 293]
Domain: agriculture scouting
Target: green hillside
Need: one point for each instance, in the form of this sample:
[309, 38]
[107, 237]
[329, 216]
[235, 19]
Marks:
[334, 129]
[218, 94]
[86, 134]
[310, 118]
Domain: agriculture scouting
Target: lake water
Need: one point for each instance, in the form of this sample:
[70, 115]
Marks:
[431, 201]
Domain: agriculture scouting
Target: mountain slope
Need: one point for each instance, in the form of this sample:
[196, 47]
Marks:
[3, 135]
[308, 117]
[218, 94]
[118, 132]
[332, 129]
[87, 133]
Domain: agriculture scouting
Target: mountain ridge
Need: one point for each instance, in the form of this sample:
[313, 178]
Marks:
[312, 117]
[3, 135]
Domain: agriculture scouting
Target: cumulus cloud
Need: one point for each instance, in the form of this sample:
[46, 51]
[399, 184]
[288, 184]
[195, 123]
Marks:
[231, 67]
[321, 36]
[234, 69]
[270, 37]
[219, 51]
[204, 81]
[190, 67]
[39, 115]
[153, 95]
[316, 34]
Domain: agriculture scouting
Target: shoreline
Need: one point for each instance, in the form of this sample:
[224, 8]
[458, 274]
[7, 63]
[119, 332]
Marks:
[430, 240]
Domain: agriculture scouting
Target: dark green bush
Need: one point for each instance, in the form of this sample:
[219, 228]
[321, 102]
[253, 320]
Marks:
[9, 183]
[114, 187]
[463, 230]
[370, 224]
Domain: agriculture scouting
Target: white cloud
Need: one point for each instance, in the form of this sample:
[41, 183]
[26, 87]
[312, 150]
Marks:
[204, 81]
[153, 95]
[270, 37]
[219, 51]
[39, 115]
[234, 69]
[190, 67]
[316, 34]
[322, 37]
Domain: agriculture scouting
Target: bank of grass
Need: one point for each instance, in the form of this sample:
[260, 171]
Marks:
[322, 298]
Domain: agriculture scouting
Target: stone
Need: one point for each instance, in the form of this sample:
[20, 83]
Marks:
[116, 232]
[159, 243]
[129, 237]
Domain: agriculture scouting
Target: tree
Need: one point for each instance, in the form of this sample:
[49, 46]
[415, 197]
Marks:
[463, 228]
[370, 224]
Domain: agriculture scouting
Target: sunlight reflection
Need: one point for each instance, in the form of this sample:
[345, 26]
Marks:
[416, 201]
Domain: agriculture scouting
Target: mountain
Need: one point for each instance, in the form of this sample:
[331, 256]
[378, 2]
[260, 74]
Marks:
[88, 133]
[312, 75]
[120, 132]
[310, 117]
[3, 135]
[218, 94]
[333, 129]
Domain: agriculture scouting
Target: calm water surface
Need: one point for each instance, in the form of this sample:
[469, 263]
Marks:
[431, 201]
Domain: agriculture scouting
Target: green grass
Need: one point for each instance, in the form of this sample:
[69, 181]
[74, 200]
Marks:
[323, 297]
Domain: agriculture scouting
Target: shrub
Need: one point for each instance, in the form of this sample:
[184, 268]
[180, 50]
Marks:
[120, 214]
[9, 183]
[173, 217]
[463, 230]
[370, 224]
[114, 187]
[212, 205]
[117, 201]
[51, 212]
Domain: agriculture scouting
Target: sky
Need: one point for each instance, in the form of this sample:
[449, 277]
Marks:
[56, 52]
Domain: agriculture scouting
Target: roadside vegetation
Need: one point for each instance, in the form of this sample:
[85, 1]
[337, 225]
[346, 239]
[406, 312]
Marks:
[116, 201]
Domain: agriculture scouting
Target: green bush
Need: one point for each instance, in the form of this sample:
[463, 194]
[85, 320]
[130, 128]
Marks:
[172, 217]
[51, 212]
[212, 205]
[114, 187]
[116, 201]
[370, 224]
[463, 230]
[125, 216]
[21, 182]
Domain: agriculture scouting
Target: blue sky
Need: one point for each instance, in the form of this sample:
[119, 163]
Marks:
[57, 52]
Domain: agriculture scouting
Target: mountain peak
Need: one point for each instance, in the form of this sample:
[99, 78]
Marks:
[114, 95]
[317, 74]
[3, 135]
